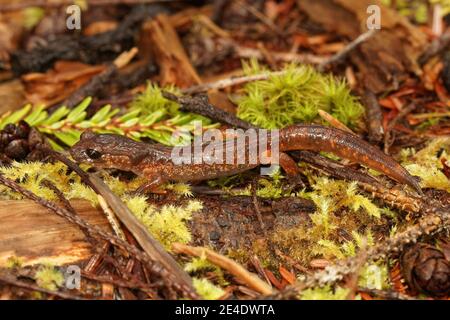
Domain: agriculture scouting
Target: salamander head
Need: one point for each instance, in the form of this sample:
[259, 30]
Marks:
[108, 151]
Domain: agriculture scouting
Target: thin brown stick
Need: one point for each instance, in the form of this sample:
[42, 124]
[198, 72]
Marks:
[436, 47]
[229, 82]
[352, 282]
[224, 83]
[250, 279]
[391, 125]
[132, 284]
[68, 206]
[97, 82]
[244, 52]
[115, 224]
[341, 55]
[254, 190]
[333, 121]
[374, 117]
[261, 17]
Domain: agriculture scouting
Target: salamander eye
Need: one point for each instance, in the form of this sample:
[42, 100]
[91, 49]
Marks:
[93, 154]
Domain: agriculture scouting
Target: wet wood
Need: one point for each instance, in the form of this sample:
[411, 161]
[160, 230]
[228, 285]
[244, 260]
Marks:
[36, 235]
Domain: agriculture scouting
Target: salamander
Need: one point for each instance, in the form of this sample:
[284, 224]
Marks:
[155, 161]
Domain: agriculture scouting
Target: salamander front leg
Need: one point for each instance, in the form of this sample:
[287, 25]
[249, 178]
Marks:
[293, 172]
[151, 186]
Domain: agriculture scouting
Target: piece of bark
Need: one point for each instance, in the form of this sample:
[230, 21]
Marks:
[374, 117]
[36, 235]
[169, 54]
[12, 95]
[385, 59]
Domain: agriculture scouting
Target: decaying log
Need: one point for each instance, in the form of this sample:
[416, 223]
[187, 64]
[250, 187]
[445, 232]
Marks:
[36, 235]
[385, 59]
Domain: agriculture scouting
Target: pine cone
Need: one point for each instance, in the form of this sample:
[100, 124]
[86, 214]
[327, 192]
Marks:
[18, 142]
[426, 269]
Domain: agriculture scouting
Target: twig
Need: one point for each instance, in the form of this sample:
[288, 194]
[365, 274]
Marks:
[200, 105]
[250, 279]
[352, 282]
[219, 7]
[97, 83]
[260, 16]
[333, 121]
[68, 206]
[224, 83]
[132, 284]
[423, 116]
[254, 189]
[387, 134]
[435, 47]
[374, 117]
[341, 55]
[394, 198]
[332, 167]
[115, 224]
[307, 58]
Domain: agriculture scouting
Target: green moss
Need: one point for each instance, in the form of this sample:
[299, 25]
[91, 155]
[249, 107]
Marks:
[374, 276]
[14, 262]
[32, 16]
[168, 223]
[330, 249]
[201, 264]
[427, 163]
[207, 290]
[296, 96]
[152, 100]
[418, 9]
[48, 277]
[325, 293]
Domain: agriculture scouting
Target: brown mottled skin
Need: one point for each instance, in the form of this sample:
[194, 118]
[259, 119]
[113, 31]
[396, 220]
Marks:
[154, 161]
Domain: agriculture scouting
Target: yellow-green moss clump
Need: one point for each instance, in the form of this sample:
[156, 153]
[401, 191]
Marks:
[427, 163]
[50, 278]
[296, 96]
[207, 290]
[340, 206]
[325, 293]
[168, 223]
